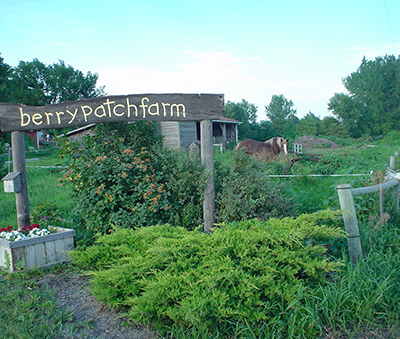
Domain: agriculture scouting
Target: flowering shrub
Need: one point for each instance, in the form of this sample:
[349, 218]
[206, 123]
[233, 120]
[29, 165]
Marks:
[123, 178]
[30, 231]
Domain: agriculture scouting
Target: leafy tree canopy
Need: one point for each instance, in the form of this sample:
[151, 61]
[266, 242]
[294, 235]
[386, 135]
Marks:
[246, 113]
[282, 115]
[34, 83]
[373, 103]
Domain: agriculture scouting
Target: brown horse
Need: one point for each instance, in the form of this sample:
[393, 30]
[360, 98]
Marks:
[264, 150]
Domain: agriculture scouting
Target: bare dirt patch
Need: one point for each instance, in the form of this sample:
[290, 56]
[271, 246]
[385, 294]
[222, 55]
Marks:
[310, 142]
[91, 318]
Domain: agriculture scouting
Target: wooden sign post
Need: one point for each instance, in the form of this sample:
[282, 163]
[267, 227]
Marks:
[21, 198]
[16, 118]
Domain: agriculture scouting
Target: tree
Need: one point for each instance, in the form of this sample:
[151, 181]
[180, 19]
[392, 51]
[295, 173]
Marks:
[330, 126]
[373, 103]
[282, 115]
[5, 71]
[246, 113]
[351, 113]
[36, 84]
[309, 125]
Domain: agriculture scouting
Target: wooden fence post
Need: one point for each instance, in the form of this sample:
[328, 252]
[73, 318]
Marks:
[350, 221]
[21, 199]
[392, 161]
[208, 168]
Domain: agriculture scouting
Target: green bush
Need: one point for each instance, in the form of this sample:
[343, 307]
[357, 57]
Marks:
[123, 178]
[244, 191]
[244, 272]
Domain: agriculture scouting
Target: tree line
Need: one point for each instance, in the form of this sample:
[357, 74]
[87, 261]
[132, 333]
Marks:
[370, 108]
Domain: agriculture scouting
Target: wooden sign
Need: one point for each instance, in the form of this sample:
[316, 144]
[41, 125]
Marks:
[156, 107]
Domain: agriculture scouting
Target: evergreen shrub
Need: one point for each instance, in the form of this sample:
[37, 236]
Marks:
[243, 272]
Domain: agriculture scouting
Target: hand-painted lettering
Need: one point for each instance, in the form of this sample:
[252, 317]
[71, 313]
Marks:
[72, 114]
[36, 117]
[107, 109]
[144, 106]
[58, 117]
[165, 108]
[100, 115]
[156, 112]
[177, 106]
[23, 117]
[48, 115]
[107, 103]
[129, 108]
[86, 113]
[115, 110]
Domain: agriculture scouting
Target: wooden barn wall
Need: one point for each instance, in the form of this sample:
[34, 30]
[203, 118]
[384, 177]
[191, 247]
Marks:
[179, 135]
[187, 134]
[170, 131]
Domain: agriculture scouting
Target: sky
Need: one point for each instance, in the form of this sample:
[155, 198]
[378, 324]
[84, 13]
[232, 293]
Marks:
[244, 49]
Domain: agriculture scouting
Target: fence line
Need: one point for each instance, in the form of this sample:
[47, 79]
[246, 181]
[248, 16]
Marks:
[315, 175]
[346, 194]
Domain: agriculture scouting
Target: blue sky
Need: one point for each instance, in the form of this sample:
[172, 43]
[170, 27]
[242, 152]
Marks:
[244, 49]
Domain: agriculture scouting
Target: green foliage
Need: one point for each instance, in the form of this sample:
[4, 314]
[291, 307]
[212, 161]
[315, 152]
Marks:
[34, 83]
[282, 115]
[122, 178]
[372, 105]
[309, 125]
[47, 213]
[27, 312]
[244, 272]
[245, 192]
[246, 113]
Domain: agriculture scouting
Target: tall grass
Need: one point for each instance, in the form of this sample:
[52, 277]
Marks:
[43, 187]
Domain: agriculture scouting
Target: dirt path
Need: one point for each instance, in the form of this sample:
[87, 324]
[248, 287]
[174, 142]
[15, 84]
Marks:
[93, 319]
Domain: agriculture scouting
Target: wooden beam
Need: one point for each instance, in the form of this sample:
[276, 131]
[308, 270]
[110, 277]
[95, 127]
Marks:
[143, 107]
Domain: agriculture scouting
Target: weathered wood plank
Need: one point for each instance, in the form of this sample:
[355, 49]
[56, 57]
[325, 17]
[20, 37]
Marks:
[16, 257]
[350, 221]
[30, 259]
[375, 188]
[40, 254]
[32, 241]
[60, 250]
[142, 107]
[51, 251]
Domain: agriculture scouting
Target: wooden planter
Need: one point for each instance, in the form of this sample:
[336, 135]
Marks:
[42, 251]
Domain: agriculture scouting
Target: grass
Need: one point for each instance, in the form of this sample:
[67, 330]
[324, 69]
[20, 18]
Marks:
[43, 187]
[29, 312]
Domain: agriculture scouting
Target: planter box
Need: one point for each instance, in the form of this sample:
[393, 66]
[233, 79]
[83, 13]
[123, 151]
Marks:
[42, 251]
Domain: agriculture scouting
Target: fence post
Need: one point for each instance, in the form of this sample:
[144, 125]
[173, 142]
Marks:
[392, 161]
[208, 167]
[397, 188]
[350, 221]
[21, 198]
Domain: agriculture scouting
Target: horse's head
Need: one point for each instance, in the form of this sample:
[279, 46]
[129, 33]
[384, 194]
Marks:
[279, 144]
[283, 145]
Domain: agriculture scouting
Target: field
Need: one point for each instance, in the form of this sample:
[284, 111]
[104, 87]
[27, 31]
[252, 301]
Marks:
[358, 302]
